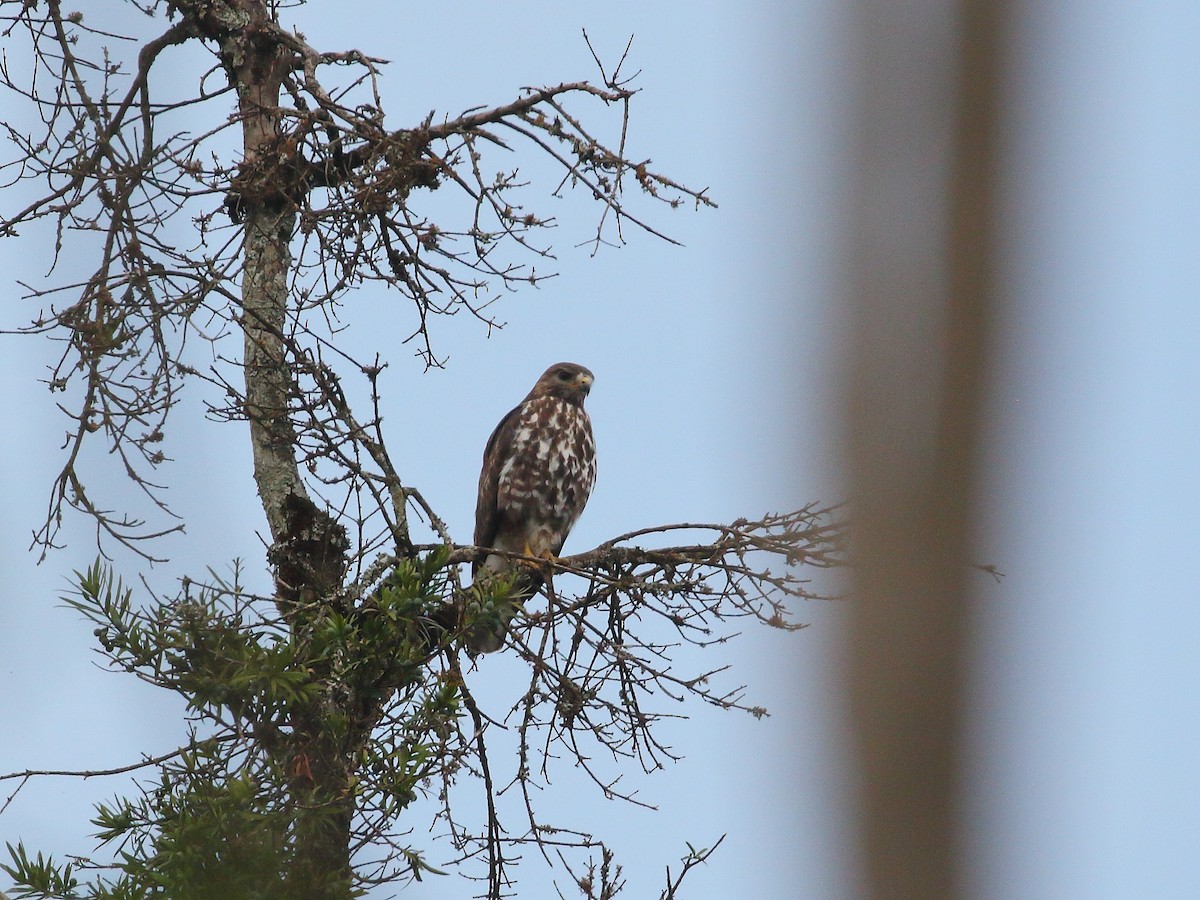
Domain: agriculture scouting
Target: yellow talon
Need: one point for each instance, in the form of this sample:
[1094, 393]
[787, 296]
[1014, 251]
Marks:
[540, 561]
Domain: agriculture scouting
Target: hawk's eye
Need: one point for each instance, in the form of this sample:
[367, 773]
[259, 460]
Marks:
[564, 375]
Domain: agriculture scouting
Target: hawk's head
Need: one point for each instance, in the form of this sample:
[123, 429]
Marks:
[566, 381]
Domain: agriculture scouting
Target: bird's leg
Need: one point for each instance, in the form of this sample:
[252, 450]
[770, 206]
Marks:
[544, 562]
[528, 562]
[535, 560]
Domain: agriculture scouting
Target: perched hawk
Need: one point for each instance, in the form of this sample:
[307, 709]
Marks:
[538, 470]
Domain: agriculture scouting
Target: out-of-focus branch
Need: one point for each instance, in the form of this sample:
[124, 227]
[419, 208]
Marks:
[915, 393]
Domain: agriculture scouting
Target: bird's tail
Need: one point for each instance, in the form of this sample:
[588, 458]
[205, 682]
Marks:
[495, 600]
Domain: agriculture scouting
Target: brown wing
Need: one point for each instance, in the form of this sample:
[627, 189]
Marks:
[487, 511]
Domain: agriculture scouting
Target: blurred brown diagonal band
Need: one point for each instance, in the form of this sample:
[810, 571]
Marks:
[922, 289]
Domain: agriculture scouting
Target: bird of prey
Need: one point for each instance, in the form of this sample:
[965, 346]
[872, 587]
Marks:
[538, 470]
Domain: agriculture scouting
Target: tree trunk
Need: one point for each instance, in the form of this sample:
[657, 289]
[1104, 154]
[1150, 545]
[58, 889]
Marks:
[308, 547]
[324, 805]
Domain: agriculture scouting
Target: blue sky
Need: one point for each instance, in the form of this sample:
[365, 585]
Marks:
[716, 397]
[1088, 671]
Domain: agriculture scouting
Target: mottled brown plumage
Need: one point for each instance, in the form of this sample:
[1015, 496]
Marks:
[538, 470]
